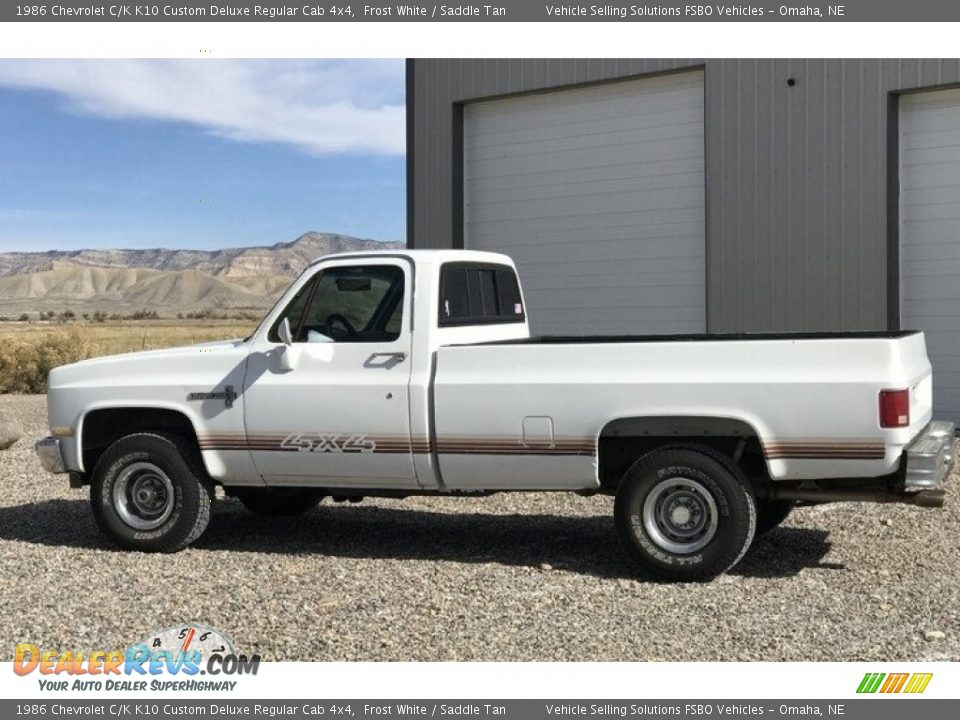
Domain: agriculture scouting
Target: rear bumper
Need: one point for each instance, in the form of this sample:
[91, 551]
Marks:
[929, 458]
[49, 451]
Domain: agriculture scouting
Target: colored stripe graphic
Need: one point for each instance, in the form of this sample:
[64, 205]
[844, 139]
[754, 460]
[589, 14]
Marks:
[341, 442]
[918, 682]
[812, 450]
[894, 683]
[870, 682]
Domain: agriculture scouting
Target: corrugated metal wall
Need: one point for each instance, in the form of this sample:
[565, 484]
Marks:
[797, 175]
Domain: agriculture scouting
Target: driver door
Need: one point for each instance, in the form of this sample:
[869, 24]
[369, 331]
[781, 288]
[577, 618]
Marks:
[340, 416]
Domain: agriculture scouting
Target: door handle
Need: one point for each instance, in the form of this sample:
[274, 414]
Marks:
[388, 359]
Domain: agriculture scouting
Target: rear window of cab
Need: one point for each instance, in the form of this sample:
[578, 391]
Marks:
[479, 294]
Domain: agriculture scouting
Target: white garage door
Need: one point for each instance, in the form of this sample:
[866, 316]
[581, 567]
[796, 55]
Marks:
[930, 235]
[598, 194]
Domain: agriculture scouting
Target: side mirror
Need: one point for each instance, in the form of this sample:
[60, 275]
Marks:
[286, 337]
[289, 354]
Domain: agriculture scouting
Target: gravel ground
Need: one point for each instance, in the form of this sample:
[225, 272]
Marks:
[511, 577]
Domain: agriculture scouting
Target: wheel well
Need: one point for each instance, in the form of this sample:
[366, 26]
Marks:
[625, 440]
[101, 428]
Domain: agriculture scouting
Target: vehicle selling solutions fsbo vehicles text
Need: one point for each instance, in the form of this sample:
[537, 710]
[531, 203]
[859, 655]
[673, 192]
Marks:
[645, 11]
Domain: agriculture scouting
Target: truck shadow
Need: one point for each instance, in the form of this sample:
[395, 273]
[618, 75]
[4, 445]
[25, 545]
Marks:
[585, 545]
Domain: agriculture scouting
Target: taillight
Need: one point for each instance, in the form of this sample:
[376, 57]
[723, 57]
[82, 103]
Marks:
[894, 408]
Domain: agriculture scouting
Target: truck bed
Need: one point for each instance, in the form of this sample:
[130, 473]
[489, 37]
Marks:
[530, 413]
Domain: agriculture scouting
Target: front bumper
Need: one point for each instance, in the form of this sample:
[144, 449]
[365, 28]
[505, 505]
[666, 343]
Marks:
[929, 458]
[49, 451]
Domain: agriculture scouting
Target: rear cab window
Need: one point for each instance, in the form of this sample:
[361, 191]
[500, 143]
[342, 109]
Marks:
[478, 294]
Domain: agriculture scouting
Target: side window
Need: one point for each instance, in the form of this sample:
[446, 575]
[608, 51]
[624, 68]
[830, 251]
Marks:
[294, 310]
[348, 304]
[477, 293]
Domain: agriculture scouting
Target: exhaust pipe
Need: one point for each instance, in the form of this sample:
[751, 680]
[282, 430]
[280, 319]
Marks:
[923, 498]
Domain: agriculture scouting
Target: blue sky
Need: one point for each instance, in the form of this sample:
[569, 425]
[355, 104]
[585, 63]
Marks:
[198, 154]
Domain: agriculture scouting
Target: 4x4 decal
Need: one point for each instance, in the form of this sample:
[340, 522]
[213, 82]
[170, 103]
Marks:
[328, 443]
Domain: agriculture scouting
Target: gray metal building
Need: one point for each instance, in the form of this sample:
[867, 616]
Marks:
[683, 195]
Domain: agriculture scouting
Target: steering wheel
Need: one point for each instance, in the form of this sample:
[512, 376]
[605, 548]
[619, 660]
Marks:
[345, 332]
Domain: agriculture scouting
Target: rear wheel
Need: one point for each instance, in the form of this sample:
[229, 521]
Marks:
[771, 513]
[684, 513]
[149, 492]
[278, 502]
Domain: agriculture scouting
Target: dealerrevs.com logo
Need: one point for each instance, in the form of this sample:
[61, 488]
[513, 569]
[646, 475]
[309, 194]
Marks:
[910, 683]
[182, 652]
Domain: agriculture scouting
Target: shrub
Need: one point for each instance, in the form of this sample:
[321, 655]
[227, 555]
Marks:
[25, 362]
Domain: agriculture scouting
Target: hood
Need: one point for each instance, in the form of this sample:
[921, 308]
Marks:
[139, 366]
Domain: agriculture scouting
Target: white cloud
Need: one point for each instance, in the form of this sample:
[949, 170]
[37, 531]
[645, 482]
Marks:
[321, 107]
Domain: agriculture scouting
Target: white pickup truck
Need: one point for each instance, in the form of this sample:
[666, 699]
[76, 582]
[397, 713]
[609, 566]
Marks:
[413, 373]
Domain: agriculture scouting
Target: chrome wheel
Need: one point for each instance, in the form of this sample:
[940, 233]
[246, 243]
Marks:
[143, 496]
[680, 515]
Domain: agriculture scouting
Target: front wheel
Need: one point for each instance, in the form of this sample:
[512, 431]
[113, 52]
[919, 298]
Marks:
[149, 492]
[685, 514]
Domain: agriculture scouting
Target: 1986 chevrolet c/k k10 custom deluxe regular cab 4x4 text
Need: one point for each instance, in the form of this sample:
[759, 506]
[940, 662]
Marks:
[413, 372]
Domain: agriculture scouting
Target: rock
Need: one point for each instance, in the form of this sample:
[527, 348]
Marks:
[886, 521]
[546, 566]
[931, 635]
[885, 607]
[9, 431]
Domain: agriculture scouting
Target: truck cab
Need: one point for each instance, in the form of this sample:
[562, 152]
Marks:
[349, 353]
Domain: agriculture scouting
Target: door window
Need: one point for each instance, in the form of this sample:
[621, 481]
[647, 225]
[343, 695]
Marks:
[353, 304]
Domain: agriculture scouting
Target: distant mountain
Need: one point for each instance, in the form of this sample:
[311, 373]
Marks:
[168, 281]
[286, 258]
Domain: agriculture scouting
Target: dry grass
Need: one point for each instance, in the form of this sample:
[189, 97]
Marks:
[29, 350]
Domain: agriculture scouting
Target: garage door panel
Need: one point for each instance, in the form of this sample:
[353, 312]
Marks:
[930, 139]
[931, 212]
[930, 235]
[596, 138]
[518, 189]
[571, 271]
[947, 266]
[573, 160]
[610, 203]
[611, 103]
[944, 191]
[516, 229]
[663, 172]
[613, 124]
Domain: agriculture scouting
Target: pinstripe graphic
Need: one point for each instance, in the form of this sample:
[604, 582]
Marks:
[813, 450]
[453, 445]
[466, 445]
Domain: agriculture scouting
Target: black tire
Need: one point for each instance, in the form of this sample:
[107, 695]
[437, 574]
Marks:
[278, 502]
[685, 513]
[770, 513]
[149, 492]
